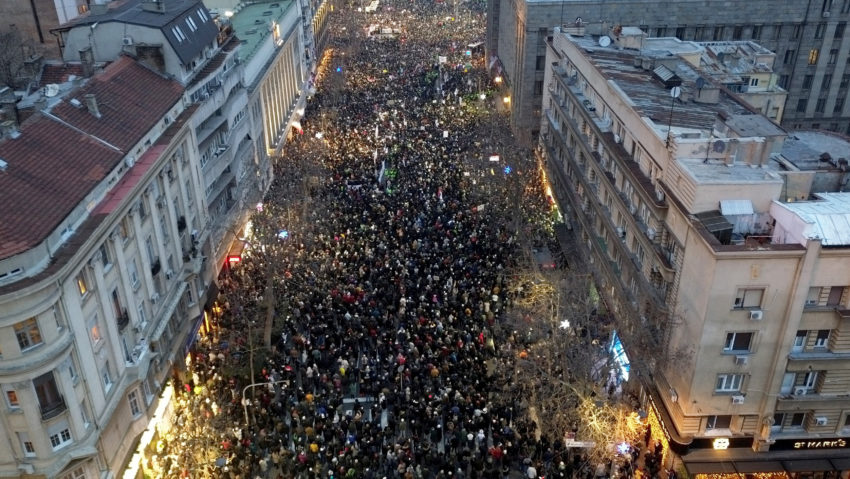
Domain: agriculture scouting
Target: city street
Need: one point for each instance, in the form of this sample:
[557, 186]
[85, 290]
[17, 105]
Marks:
[367, 330]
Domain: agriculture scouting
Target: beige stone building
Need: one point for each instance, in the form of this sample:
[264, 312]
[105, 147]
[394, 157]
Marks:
[712, 242]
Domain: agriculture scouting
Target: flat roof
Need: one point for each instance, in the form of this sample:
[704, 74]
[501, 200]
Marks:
[829, 216]
[804, 149]
[252, 24]
[652, 99]
[716, 172]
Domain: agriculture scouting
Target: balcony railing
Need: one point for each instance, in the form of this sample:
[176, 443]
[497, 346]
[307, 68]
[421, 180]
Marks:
[53, 409]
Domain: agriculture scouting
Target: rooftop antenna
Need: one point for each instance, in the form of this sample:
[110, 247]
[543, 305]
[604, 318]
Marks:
[675, 92]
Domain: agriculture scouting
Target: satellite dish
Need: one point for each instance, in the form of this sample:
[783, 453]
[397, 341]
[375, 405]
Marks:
[51, 90]
[604, 41]
[719, 146]
[675, 92]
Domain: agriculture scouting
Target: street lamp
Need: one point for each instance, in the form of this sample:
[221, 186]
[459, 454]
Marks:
[245, 391]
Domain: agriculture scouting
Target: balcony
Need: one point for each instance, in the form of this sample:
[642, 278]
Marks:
[53, 409]
[156, 266]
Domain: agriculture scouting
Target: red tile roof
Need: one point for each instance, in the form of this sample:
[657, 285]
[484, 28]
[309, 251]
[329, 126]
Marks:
[131, 99]
[52, 166]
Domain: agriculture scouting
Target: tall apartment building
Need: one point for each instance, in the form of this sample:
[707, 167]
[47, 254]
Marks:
[100, 280]
[809, 39]
[708, 230]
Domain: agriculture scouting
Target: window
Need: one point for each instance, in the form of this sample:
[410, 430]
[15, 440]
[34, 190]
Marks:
[191, 24]
[798, 30]
[801, 105]
[737, 33]
[835, 295]
[11, 397]
[807, 380]
[813, 56]
[150, 250]
[800, 340]
[680, 32]
[807, 81]
[698, 33]
[72, 369]
[26, 444]
[28, 334]
[78, 473]
[797, 420]
[47, 391]
[84, 412]
[833, 56]
[789, 56]
[754, 82]
[718, 32]
[845, 7]
[540, 63]
[104, 256]
[141, 310]
[660, 31]
[813, 298]
[822, 338]
[820, 105]
[748, 298]
[94, 330]
[846, 424]
[133, 400]
[123, 230]
[133, 272]
[106, 376]
[778, 421]
[819, 30]
[738, 342]
[728, 383]
[60, 439]
[783, 81]
[143, 212]
[81, 9]
[538, 88]
[827, 80]
[718, 422]
[777, 31]
[81, 284]
[756, 33]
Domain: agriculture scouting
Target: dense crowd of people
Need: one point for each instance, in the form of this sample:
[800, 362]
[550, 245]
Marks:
[388, 286]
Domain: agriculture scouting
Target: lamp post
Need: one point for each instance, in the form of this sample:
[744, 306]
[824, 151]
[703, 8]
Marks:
[245, 391]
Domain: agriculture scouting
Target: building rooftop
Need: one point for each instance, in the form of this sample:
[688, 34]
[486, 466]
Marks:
[727, 61]
[61, 155]
[187, 24]
[827, 218]
[639, 82]
[806, 149]
[253, 23]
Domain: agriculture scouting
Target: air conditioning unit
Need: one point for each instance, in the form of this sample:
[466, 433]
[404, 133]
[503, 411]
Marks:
[621, 232]
[127, 40]
[742, 360]
[209, 53]
[160, 202]
[800, 391]
[155, 298]
[825, 14]
[618, 139]
[674, 396]
[650, 233]
[756, 315]
[169, 274]
[738, 399]
[821, 421]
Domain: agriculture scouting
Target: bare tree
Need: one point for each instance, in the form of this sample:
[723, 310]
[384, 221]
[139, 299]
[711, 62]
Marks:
[13, 53]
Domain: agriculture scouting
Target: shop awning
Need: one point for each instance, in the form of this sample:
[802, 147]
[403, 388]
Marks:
[751, 467]
[710, 468]
[808, 465]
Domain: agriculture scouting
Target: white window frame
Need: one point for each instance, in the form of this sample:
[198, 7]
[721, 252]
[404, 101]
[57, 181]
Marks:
[84, 412]
[61, 438]
[731, 383]
[133, 401]
[78, 473]
[133, 272]
[810, 380]
[106, 376]
[821, 342]
[729, 345]
[741, 301]
[95, 334]
[11, 405]
[27, 332]
[27, 446]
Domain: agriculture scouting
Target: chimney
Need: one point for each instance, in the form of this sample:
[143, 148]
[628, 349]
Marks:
[87, 60]
[91, 104]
